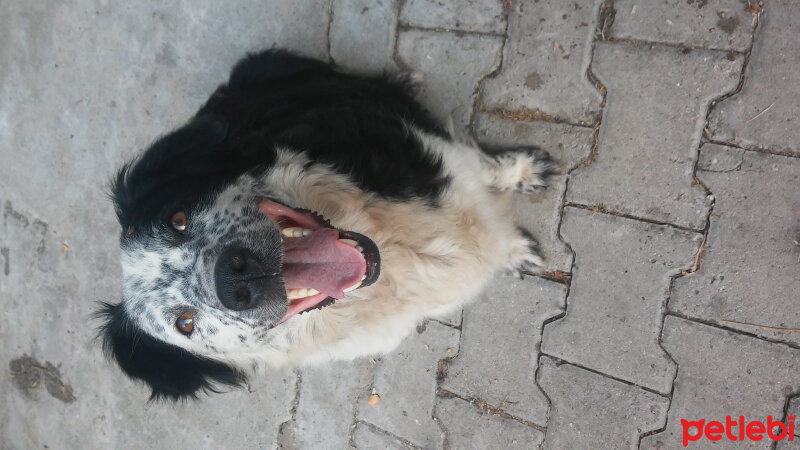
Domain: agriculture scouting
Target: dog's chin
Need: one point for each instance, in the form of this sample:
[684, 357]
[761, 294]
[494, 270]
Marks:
[321, 264]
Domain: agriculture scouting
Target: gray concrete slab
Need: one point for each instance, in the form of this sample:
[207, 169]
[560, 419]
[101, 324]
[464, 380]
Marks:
[452, 67]
[326, 401]
[794, 411]
[502, 330]
[362, 35]
[406, 381]
[620, 280]
[714, 24]
[591, 411]
[749, 271]
[764, 114]
[545, 61]
[486, 16]
[540, 213]
[709, 386]
[467, 426]
[665, 92]
[788, 445]
[365, 437]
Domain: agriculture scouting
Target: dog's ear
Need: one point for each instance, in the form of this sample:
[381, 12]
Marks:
[171, 372]
[184, 166]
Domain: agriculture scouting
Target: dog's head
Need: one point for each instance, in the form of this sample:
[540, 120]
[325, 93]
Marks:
[213, 264]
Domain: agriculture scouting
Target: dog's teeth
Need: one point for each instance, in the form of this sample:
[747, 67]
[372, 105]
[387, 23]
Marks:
[360, 248]
[350, 242]
[294, 232]
[364, 277]
[300, 293]
[353, 287]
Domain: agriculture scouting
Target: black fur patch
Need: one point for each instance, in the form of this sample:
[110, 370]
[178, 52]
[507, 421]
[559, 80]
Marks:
[170, 371]
[355, 124]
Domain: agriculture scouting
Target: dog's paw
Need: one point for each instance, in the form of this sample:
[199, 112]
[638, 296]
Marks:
[525, 254]
[526, 169]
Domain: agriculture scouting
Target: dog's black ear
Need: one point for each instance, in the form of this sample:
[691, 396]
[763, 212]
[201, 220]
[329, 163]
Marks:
[170, 371]
[270, 65]
[176, 169]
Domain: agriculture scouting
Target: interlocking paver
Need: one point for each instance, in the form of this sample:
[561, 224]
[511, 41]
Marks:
[452, 67]
[657, 98]
[406, 381]
[716, 24]
[326, 405]
[468, 427]
[788, 445]
[794, 410]
[619, 285]
[541, 213]
[751, 262]
[545, 61]
[502, 331]
[366, 438]
[362, 34]
[465, 15]
[764, 113]
[709, 386]
[592, 411]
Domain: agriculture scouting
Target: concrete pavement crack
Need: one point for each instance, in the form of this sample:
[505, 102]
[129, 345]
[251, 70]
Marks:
[486, 407]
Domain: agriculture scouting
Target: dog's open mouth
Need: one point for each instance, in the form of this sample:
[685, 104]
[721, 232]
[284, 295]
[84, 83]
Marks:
[320, 263]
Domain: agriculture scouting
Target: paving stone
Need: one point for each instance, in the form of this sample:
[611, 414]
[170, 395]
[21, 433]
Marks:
[620, 280]
[751, 260]
[764, 114]
[500, 338]
[465, 15]
[788, 445]
[540, 213]
[326, 405]
[362, 34]
[665, 92]
[590, 410]
[406, 381]
[794, 410]
[468, 427]
[715, 24]
[545, 61]
[452, 66]
[366, 438]
[723, 373]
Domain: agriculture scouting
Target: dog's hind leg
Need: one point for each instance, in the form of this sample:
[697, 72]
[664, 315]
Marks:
[526, 169]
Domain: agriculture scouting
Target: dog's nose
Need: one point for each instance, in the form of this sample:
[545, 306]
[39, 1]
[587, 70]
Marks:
[241, 281]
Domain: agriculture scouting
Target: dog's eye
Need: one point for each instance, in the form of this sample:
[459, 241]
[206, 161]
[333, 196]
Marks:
[179, 221]
[185, 324]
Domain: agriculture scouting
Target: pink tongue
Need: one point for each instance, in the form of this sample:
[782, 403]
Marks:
[322, 262]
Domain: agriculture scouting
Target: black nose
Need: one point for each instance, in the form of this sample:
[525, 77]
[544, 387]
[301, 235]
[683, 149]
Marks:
[242, 283]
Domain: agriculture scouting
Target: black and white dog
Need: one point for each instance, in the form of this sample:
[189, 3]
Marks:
[303, 215]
